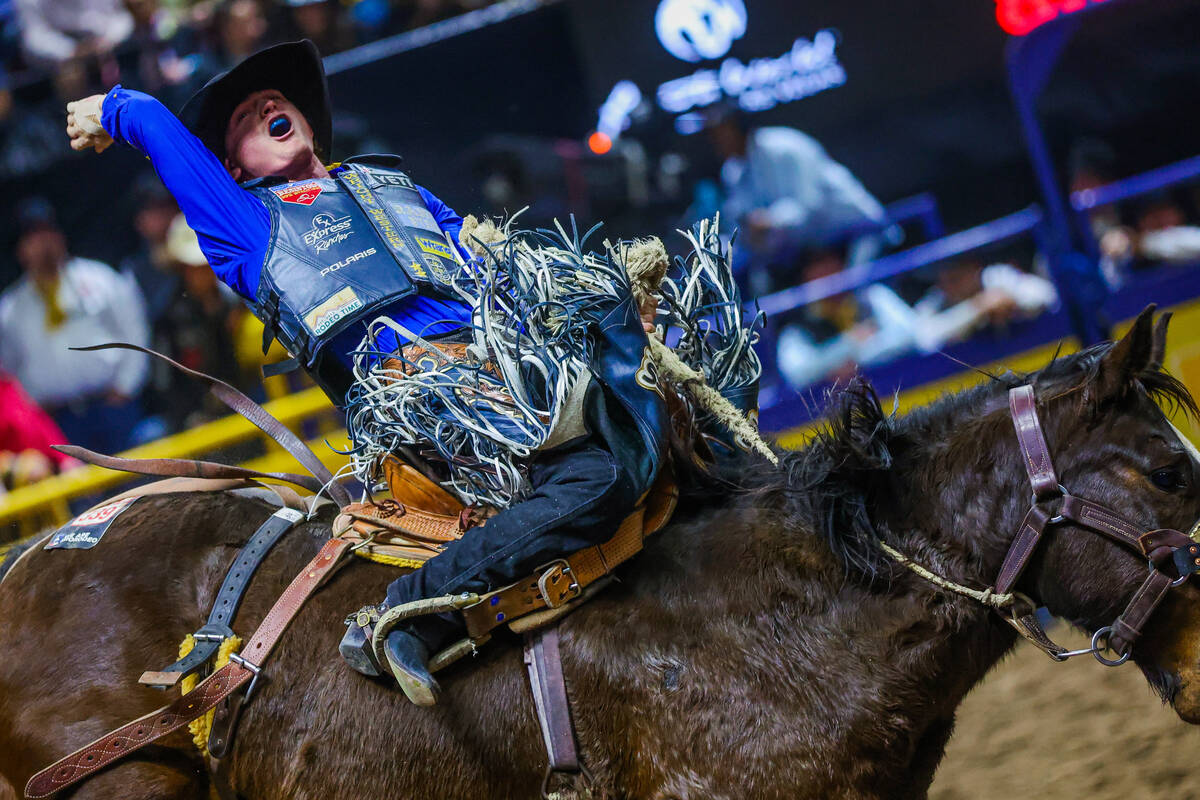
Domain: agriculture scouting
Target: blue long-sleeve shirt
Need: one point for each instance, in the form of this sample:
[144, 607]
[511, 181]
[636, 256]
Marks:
[234, 226]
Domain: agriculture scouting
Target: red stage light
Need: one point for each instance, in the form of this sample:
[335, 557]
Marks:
[1019, 17]
[599, 143]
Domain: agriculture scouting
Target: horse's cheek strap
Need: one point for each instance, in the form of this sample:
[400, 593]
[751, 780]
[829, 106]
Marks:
[1035, 454]
[1128, 626]
[1028, 535]
[208, 693]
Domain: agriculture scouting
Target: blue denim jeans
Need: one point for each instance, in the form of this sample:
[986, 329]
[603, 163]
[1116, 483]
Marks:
[580, 495]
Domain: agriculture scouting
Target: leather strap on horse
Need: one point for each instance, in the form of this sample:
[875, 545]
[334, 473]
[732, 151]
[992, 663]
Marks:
[256, 414]
[1158, 546]
[216, 629]
[184, 468]
[543, 661]
[557, 583]
[242, 669]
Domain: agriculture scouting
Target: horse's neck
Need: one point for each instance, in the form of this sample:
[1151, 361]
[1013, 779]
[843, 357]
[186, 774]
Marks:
[736, 613]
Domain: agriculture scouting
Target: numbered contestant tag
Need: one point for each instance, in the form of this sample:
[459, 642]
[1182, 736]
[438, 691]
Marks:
[84, 532]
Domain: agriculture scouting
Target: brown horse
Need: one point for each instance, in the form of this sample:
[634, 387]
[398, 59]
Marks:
[762, 646]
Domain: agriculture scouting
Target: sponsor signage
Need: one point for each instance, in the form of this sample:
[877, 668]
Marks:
[331, 310]
[698, 31]
[1019, 17]
[84, 532]
[348, 260]
[326, 231]
[302, 194]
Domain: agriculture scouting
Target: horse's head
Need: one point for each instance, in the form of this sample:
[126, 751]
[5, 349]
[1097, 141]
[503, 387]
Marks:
[1111, 444]
[950, 486]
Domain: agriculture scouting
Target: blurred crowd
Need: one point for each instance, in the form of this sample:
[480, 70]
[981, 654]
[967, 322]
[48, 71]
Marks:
[802, 219]
[55, 51]
[162, 294]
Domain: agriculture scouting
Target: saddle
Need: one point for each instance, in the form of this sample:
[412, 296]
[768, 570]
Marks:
[421, 518]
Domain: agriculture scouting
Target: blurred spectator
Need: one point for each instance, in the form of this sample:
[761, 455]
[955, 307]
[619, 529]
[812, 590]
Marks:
[26, 436]
[1160, 234]
[785, 193]
[241, 29]
[28, 139]
[53, 31]
[1092, 165]
[969, 296]
[323, 22]
[155, 57]
[830, 338]
[64, 301]
[196, 331]
[149, 265]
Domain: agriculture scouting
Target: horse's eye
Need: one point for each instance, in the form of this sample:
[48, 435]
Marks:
[1169, 479]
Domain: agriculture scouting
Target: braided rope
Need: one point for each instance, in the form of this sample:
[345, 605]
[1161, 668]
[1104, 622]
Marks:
[997, 600]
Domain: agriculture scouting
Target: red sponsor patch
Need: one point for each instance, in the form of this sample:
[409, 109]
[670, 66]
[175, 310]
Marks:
[302, 194]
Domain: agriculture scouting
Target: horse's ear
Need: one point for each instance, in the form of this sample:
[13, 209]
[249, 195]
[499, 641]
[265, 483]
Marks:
[1158, 351]
[1129, 357]
[862, 429]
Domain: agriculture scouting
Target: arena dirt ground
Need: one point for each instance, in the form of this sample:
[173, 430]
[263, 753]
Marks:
[1037, 729]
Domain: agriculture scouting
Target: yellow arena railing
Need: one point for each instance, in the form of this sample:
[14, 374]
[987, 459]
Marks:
[46, 502]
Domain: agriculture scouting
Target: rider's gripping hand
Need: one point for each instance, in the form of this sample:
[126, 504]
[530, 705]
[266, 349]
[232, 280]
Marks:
[83, 124]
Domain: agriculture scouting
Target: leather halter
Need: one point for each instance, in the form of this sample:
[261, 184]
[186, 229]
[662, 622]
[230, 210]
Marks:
[1165, 549]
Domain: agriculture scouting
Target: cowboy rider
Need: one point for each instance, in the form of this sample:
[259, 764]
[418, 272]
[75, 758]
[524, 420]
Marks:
[319, 251]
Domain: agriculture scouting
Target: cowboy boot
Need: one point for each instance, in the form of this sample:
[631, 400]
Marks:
[408, 658]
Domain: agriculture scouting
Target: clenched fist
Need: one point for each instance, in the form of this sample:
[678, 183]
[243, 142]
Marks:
[83, 124]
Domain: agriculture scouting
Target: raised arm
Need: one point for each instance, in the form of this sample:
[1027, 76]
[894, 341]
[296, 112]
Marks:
[233, 225]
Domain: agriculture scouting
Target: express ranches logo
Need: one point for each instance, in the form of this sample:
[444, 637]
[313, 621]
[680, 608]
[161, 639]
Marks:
[326, 231]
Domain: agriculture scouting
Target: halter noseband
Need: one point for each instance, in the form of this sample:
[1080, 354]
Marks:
[1160, 547]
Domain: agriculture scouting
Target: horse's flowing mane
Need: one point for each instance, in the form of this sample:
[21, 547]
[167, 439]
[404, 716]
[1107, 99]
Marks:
[860, 453]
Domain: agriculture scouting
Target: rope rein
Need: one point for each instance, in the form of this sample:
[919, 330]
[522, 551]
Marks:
[988, 597]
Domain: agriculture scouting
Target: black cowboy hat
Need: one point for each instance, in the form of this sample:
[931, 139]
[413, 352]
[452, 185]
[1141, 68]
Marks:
[292, 68]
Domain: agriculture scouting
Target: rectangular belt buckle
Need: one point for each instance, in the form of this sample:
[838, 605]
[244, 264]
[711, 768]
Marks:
[557, 583]
[254, 670]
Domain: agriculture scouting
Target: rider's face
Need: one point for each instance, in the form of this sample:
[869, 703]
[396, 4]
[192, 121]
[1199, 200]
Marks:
[267, 135]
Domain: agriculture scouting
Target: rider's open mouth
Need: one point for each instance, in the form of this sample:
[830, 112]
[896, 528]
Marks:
[279, 127]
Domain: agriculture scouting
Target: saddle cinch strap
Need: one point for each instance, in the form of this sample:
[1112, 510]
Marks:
[241, 670]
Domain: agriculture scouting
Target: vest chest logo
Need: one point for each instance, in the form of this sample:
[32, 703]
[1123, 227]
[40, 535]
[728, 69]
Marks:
[434, 247]
[334, 308]
[302, 194]
[399, 179]
[326, 231]
[370, 251]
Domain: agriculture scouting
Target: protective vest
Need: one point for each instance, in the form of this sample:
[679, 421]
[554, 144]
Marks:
[343, 248]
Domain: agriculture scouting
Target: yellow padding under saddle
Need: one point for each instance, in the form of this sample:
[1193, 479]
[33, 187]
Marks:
[200, 728]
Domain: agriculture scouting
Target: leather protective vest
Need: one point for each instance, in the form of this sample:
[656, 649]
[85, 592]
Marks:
[343, 248]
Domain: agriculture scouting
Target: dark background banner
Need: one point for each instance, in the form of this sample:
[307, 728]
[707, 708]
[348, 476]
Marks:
[924, 106]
